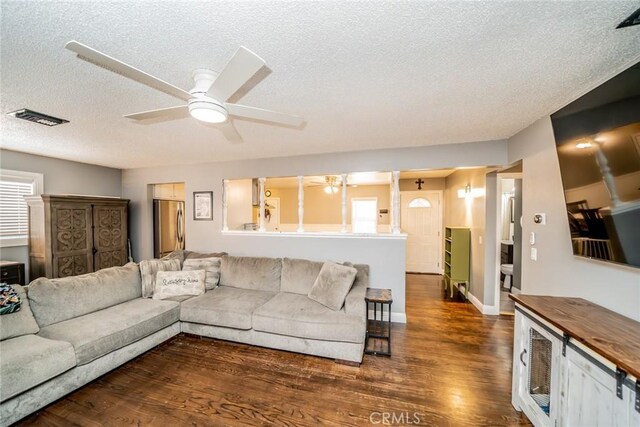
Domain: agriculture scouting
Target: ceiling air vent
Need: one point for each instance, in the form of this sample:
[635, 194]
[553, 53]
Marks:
[633, 19]
[36, 117]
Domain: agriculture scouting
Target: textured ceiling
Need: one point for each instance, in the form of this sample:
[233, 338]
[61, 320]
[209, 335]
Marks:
[365, 75]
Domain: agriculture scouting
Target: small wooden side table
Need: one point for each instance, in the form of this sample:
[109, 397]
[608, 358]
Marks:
[12, 272]
[378, 328]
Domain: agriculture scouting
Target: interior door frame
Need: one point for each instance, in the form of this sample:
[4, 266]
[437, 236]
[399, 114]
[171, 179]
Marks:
[418, 193]
[357, 199]
[495, 276]
[277, 210]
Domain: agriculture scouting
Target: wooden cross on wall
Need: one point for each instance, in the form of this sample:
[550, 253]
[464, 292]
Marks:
[419, 182]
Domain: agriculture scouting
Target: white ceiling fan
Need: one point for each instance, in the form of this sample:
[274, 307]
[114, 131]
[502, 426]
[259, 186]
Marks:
[207, 100]
[331, 183]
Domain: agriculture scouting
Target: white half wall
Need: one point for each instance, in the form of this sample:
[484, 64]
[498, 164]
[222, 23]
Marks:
[557, 271]
[386, 257]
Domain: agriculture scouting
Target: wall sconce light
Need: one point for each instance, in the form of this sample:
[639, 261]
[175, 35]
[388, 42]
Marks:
[470, 193]
[464, 192]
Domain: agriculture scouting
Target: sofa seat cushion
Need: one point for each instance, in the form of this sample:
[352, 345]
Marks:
[29, 360]
[224, 306]
[96, 334]
[297, 315]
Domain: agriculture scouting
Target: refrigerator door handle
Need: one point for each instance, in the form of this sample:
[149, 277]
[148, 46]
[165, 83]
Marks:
[179, 219]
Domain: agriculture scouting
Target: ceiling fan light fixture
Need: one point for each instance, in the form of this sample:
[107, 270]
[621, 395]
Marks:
[330, 189]
[207, 111]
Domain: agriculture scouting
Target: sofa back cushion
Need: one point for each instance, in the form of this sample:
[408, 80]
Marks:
[19, 322]
[150, 267]
[299, 275]
[362, 277]
[210, 265]
[199, 255]
[261, 274]
[56, 300]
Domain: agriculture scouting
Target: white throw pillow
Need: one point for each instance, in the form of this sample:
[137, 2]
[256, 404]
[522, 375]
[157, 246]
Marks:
[148, 270]
[210, 265]
[177, 283]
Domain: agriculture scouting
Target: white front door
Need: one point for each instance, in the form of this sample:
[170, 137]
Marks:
[423, 226]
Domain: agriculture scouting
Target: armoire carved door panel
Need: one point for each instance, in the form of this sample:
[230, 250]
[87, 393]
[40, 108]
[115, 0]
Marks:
[72, 265]
[110, 236]
[71, 235]
[71, 229]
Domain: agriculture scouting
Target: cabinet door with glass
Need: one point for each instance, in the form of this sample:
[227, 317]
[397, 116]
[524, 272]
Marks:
[538, 366]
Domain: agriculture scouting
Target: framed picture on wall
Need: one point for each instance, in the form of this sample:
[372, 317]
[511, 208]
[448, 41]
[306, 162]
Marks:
[203, 205]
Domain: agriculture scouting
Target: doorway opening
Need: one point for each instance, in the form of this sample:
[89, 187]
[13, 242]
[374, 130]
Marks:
[509, 237]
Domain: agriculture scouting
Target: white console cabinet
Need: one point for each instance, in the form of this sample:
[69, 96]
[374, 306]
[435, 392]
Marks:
[561, 379]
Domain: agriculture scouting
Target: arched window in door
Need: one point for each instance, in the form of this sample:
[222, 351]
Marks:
[419, 202]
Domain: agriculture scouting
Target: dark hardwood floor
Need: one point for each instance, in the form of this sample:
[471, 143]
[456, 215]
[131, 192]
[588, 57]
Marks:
[450, 367]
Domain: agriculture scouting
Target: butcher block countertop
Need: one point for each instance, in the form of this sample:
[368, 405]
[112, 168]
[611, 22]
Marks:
[611, 335]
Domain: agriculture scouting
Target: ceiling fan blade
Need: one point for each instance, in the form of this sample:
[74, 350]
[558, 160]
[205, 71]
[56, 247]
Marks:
[242, 111]
[230, 132]
[171, 113]
[242, 66]
[101, 60]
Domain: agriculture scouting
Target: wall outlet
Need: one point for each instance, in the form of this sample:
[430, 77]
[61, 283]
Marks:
[534, 254]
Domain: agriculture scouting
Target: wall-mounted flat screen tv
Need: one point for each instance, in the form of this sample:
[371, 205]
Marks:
[598, 144]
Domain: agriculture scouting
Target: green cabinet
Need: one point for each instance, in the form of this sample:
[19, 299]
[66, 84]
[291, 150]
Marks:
[457, 256]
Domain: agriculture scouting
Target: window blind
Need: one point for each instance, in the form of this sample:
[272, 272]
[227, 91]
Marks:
[14, 220]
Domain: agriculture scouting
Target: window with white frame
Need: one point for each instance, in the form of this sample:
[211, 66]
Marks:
[14, 219]
[364, 215]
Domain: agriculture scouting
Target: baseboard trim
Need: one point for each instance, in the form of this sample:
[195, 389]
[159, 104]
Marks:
[395, 317]
[489, 310]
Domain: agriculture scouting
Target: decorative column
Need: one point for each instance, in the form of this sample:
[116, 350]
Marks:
[395, 200]
[225, 205]
[261, 182]
[344, 203]
[300, 204]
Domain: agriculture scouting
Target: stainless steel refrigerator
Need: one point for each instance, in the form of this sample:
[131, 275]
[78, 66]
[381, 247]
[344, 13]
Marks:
[168, 227]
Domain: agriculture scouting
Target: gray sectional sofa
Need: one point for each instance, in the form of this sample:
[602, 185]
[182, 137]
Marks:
[71, 331]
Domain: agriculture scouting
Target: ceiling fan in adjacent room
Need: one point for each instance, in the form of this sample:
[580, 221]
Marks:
[206, 102]
[331, 183]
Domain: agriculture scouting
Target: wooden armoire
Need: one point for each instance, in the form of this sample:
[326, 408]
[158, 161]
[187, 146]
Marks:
[71, 235]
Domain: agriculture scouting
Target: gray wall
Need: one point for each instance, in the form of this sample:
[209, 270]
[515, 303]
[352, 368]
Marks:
[557, 271]
[386, 257]
[60, 177]
[471, 214]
